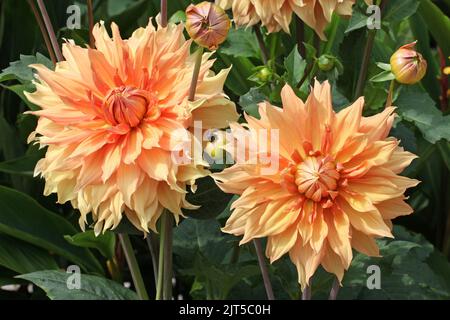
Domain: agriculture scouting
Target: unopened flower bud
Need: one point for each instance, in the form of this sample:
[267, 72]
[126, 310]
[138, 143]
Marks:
[326, 62]
[207, 24]
[408, 66]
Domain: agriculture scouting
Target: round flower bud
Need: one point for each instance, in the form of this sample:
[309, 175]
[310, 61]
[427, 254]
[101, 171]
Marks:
[207, 24]
[407, 65]
[326, 62]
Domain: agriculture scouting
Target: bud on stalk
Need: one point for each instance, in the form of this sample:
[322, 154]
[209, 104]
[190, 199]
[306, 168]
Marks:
[407, 65]
[207, 24]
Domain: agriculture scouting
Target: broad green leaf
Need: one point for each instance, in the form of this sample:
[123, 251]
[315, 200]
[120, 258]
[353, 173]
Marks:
[105, 243]
[202, 237]
[437, 22]
[241, 43]
[23, 218]
[399, 10]
[23, 165]
[422, 35]
[54, 283]
[410, 269]
[19, 89]
[444, 149]
[20, 69]
[211, 199]
[415, 105]
[23, 257]
[116, 7]
[128, 18]
[242, 68]
[357, 21]
[249, 101]
[295, 67]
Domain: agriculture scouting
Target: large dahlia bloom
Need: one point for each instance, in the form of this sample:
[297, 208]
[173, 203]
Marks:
[336, 187]
[277, 14]
[111, 118]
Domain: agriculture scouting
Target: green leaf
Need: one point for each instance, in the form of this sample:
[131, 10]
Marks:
[409, 267]
[211, 199]
[177, 17]
[127, 19]
[23, 218]
[422, 35]
[20, 69]
[23, 165]
[241, 42]
[384, 66]
[383, 76]
[23, 257]
[19, 89]
[415, 105]
[357, 21]
[116, 7]
[105, 243]
[295, 67]
[203, 237]
[54, 283]
[249, 101]
[400, 10]
[438, 24]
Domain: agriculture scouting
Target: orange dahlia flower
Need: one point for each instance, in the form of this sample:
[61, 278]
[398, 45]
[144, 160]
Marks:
[277, 14]
[109, 116]
[336, 187]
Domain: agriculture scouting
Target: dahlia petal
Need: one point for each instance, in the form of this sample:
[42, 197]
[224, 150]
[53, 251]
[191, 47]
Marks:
[346, 124]
[393, 208]
[399, 160]
[112, 161]
[377, 127]
[169, 199]
[339, 236]
[369, 222]
[319, 232]
[332, 263]
[133, 146]
[128, 179]
[306, 261]
[156, 163]
[364, 243]
[279, 244]
[216, 113]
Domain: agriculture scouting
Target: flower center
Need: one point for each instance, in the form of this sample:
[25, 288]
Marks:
[316, 177]
[129, 105]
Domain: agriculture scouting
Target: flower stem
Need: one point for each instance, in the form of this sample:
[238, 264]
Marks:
[390, 94]
[264, 269]
[262, 45]
[50, 31]
[334, 289]
[300, 27]
[133, 265]
[164, 13]
[91, 23]
[162, 237]
[151, 246]
[365, 64]
[40, 22]
[168, 271]
[366, 57]
[306, 294]
[196, 73]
